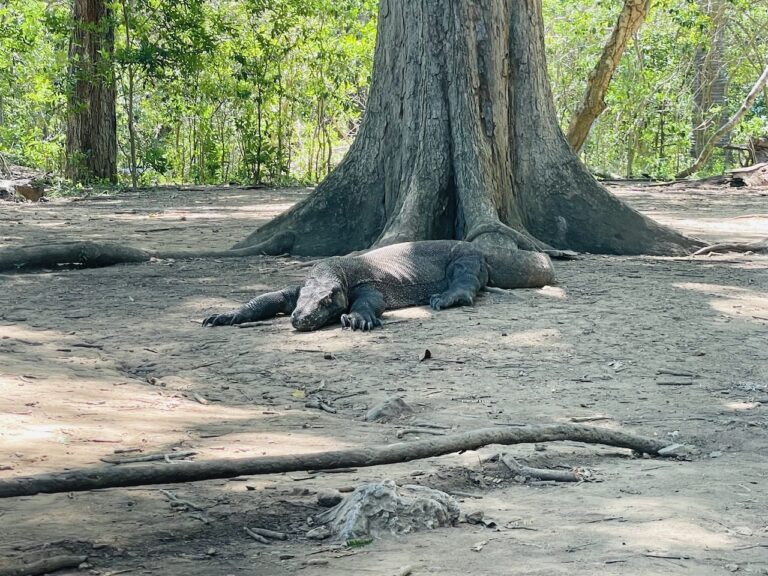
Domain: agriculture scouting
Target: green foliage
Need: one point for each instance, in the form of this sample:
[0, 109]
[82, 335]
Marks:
[647, 126]
[245, 91]
[223, 90]
[33, 62]
[273, 90]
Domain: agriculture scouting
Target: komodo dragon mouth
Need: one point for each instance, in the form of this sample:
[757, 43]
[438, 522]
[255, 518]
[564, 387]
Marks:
[356, 290]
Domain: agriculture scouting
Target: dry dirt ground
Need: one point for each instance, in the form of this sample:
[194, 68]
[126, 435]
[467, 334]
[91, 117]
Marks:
[98, 361]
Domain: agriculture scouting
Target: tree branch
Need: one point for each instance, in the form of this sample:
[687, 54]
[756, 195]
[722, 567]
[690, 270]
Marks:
[706, 151]
[113, 477]
[631, 18]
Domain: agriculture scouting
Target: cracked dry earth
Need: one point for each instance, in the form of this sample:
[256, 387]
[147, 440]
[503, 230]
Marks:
[93, 362]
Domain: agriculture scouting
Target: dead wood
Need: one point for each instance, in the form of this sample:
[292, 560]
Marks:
[255, 536]
[87, 254]
[758, 247]
[167, 456]
[123, 476]
[755, 175]
[539, 473]
[28, 188]
[44, 566]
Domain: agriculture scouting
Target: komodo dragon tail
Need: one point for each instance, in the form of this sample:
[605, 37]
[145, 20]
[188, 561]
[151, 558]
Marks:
[519, 269]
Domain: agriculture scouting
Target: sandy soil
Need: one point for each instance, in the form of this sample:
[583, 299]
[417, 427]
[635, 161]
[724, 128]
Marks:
[97, 361]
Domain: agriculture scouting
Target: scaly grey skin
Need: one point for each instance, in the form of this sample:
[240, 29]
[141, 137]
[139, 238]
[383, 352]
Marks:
[356, 290]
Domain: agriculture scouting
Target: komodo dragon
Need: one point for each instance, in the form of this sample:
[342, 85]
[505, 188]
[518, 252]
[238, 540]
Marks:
[358, 289]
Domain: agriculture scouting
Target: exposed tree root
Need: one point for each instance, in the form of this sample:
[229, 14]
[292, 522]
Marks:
[89, 254]
[758, 247]
[103, 477]
[44, 566]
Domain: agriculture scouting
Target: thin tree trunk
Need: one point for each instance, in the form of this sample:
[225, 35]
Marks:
[592, 105]
[259, 141]
[91, 120]
[710, 78]
[131, 80]
[726, 128]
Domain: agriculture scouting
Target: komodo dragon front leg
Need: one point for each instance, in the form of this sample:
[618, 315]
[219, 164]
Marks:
[261, 307]
[366, 309]
[467, 275]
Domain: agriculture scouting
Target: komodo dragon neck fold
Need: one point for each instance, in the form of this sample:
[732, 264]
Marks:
[358, 289]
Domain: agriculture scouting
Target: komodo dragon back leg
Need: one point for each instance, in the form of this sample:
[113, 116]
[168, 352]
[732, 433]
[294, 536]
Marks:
[365, 312]
[467, 275]
[262, 307]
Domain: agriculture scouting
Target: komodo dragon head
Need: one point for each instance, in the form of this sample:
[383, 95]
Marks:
[321, 301]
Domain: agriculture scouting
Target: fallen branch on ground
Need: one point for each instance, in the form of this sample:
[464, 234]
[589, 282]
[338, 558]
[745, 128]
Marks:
[44, 566]
[758, 247]
[539, 473]
[123, 476]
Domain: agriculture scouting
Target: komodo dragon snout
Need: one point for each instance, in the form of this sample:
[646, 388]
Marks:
[320, 302]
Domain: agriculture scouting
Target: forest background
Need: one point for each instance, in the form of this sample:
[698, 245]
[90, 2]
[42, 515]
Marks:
[272, 91]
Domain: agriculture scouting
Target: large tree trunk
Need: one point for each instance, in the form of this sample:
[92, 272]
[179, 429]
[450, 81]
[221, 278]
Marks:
[460, 140]
[592, 105]
[91, 122]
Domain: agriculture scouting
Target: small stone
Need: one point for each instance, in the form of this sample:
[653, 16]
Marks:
[329, 498]
[474, 517]
[319, 533]
[391, 408]
[732, 567]
[715, 454]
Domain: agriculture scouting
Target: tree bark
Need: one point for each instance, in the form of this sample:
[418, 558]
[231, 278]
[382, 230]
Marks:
[91, 122]
[726, 128]
[131, 70]
[93, 478]
[592, 105]
[460, 140]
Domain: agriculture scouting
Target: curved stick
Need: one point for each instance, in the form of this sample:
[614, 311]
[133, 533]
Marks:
[109, 477]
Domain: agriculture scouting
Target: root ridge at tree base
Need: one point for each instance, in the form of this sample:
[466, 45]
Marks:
[124, 476]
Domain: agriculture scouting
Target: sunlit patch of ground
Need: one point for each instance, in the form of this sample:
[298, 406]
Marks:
[733, 301]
